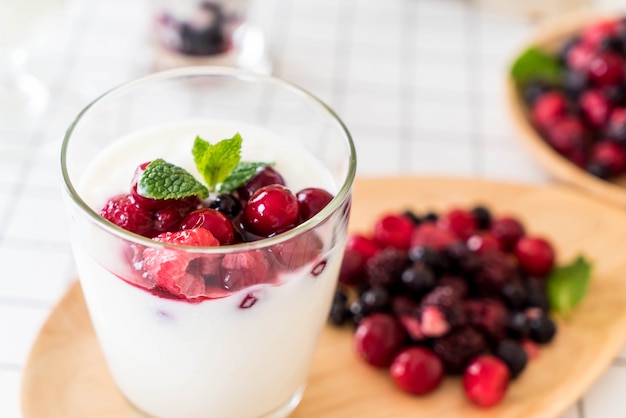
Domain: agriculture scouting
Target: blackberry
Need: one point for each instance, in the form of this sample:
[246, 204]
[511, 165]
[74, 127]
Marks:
[376, 299]
[458, 348]
[403, 305]
[463, 261]
[542, 329]
[446, 299]
[483, 217]
[458, 284]
[611, 43]
[339, 313]
[537, 296]
[517, 326]
[513, 355]
[418, 278]
[514, 293]
[495, 271]
[487, 315]
[386, 267]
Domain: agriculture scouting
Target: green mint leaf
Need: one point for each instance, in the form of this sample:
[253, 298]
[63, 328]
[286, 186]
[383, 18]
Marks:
[567, 285]
[215, 162]
[163, 180]
[242, 173]
[534, 64]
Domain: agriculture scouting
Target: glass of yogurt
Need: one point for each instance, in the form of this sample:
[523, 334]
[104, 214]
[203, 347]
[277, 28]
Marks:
[208, 32]
[237, 339]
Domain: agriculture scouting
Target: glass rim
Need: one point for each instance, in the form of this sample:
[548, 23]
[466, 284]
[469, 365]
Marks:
[211, 71]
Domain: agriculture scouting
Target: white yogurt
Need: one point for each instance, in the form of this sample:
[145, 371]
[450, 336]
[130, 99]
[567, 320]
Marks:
[175, 359]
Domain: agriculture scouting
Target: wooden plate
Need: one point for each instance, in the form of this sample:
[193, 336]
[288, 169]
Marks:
[65, 375]
[549, 37]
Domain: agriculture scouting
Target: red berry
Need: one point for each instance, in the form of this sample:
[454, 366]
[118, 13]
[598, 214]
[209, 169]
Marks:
[595, 33]
[265, 177]
[610, 155]
[485, 380]
[579, 57]
[595, 107]
[567, 136]
[508, 231]
[606, 68]
[378, 338]
[616, 128]
[535, 255]
[365, 246]
[429, 235]
[311, 201]
[125, 213]
[352, 270]
[462, 223]
[271, 210]
[239, 270]
[483, 242]
[212, 220]
[548, 109]
[417, 370]
[145, 202]
[298, 251]
[393, 231]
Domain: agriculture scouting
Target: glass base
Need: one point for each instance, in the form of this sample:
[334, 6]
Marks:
[282, 411]
[249, 53]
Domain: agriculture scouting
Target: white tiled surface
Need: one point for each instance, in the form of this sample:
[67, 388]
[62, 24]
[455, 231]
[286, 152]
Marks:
[418, 82]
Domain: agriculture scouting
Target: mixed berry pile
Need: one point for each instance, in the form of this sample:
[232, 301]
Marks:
[262, 207]
[460, 293]
[582, 113]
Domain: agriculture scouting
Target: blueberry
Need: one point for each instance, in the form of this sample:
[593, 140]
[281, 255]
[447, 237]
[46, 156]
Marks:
[375, 299]
[534, 89]
[358, 311]
[542, 329]
[483, 217]
[598, 170]
[575, 82]
[419, 278]
[431, 217]
[339, 313]
[514, 294]
[536, 294]
[207, 40]
[413, 217]
[227, 204]
[432, 258]
[513, 355]
[567, 46]
[340, 296]
[517, 326]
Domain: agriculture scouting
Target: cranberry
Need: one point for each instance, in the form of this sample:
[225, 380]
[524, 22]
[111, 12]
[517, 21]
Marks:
[483, 242]
[567, 136]
[485, 380]
[462, 223]
[311, 201]
[595, 107]
[265, 177]
[364, 245]
[239, 270]
[378, 338]
[271, 210]
[394, 231]
[429, 235]
[535, 255]
[508, 231]
[548, 109]
[606, 68]
[579, 57]
[611, 155]
[167, 219]
[595, 33]
[147, 203]
[123, 211]
[216, 222]
[417, 370]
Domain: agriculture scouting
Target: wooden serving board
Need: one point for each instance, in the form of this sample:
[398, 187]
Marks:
[65, 376]
[549, 37]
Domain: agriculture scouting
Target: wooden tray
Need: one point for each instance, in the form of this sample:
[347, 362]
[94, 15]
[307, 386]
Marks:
[549, 37]
[65, 375]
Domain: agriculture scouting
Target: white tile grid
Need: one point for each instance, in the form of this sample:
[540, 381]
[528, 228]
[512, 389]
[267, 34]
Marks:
[418, 82]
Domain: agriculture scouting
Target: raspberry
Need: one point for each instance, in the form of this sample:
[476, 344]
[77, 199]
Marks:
[240, 270]
[459, 347]
[125, 213]
[169, 267]
[486, 380]
[459, 222]
[378, 338]
[417, 370]
[429, 235]
[386, 267]
[394, 231]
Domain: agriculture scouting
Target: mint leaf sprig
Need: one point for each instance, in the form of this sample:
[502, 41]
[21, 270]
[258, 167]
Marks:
[219, 165]
[535, 64]
[567, 285]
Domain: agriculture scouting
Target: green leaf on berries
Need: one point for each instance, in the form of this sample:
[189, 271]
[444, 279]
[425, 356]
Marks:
[535, 64]
[567, 285]
[216, 161]
[163, 180]
[241, 174]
